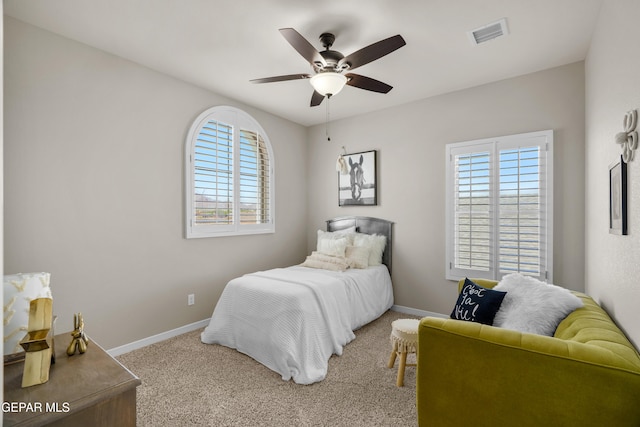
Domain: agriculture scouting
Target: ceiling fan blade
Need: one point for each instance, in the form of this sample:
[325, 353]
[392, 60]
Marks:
[281, 78]
[316, 99]
[303, 47]
[373, 52]
[367, 83]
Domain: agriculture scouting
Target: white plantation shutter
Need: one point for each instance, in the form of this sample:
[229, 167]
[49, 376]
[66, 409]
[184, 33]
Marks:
[473, 211]
[254, 179]
[229, 179]
[213, 174]
[522, 208]
[499, 210]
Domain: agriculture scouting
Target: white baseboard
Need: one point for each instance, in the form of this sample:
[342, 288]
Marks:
[416, 312]
[117, 351]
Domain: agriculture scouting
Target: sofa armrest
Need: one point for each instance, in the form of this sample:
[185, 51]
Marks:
[474, 374]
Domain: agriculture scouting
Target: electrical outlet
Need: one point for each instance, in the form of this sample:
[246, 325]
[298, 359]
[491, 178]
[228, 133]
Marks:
[191, 299]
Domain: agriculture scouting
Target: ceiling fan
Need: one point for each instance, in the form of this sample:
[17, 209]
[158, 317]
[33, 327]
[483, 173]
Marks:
[329, 65]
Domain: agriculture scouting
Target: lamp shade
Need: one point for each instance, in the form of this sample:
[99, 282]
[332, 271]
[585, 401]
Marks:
[328, 83]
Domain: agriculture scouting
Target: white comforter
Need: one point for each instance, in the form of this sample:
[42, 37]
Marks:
[293, 319]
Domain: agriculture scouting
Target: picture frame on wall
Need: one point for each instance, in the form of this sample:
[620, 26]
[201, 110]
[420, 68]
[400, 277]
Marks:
[618, 197]
[359, 186]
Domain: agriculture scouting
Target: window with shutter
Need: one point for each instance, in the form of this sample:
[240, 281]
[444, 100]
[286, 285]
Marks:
[254, 183]
[213, 174]
[229, 175]
[473, 228]
[499, 207]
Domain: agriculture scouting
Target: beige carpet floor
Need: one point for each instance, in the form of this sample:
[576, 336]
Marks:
[187, 383]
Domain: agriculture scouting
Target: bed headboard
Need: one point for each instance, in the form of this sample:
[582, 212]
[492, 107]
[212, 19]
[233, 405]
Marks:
[367, 225]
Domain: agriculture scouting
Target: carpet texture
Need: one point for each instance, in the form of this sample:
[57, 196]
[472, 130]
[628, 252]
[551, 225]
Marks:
[187, 383]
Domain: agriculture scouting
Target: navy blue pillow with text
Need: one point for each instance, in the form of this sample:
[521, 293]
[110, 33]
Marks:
[477, 304]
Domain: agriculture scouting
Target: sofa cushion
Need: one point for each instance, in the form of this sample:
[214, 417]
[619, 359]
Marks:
[477, 304]
[592, 326]
[533, 306]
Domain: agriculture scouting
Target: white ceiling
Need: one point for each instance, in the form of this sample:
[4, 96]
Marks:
[222, 44]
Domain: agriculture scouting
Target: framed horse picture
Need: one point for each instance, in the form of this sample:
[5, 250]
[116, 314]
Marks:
[618, 197]
[359, 186]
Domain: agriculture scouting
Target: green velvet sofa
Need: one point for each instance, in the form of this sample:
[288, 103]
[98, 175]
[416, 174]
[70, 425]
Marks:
[470, 374]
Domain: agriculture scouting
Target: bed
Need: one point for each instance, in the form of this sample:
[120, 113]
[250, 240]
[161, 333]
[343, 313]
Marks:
[293, 319]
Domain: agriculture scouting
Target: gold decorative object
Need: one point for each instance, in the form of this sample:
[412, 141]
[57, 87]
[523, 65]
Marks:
[19, 290]
[38, 343]
[79, 341]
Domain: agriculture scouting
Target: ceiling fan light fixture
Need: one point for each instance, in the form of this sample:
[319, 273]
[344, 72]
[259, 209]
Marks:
[328, 83]
[328, 65]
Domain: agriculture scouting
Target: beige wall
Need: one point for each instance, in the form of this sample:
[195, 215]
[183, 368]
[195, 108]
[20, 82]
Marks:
[94, 189]
[411, 139]
[612, 88]
[94, 193]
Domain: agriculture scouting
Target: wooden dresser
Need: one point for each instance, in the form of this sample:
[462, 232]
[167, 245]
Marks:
[91, 389]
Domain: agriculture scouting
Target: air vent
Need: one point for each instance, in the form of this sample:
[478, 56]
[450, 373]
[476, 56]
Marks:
[489, 32]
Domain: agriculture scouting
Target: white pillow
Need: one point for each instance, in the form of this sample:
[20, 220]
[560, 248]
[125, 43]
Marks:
[325, 262]
[533, 306]
[333, 246]
[347, 233]
[348, 230]
[357, 256]
[342, 232]
[375, 243]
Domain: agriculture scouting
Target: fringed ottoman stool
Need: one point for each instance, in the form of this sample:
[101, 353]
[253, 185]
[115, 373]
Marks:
[404, 339]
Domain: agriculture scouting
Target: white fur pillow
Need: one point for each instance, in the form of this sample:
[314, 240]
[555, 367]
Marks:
[357, 256]
[374, 243]
[347, 233]
[533, 306]
[333, 244]
[333, 247]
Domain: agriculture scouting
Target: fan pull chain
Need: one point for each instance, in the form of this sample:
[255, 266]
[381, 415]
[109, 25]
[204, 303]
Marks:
[328, 119]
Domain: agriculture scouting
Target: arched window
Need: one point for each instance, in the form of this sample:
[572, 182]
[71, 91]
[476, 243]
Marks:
[229, 182]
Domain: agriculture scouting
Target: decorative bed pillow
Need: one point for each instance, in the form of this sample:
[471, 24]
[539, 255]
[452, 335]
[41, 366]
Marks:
[375, 243]
[477, 304]
[357, 256]
[331, 243]
[325, 262]
[533, 306]
[348, 230]
[345, 232]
